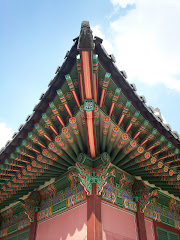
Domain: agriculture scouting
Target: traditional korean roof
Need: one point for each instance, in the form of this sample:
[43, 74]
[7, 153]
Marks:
[102, 114]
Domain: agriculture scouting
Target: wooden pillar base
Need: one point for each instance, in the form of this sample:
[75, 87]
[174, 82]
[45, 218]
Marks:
[94, 224]
[140, 224]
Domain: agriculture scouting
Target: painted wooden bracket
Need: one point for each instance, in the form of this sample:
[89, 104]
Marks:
[143, 194]
[98, 175]
[31, 204]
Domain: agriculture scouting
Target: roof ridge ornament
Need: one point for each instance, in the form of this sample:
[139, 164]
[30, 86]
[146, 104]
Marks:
[85, 42]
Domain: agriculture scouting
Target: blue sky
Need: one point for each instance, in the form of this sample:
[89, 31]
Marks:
[35, 35]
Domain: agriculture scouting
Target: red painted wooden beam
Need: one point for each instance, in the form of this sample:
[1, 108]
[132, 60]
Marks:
[86, 73]
[114, 100]
[60, 120]
[91, 133]
[104, 88]
[95, 87]
[95, 78]
[144, 142]
[81, 87]
[137, 134]
[140, 224]
[80, 77]
[88, 94]
[72, 89]
[121, 119]
[94, 222]
[111, 109]
[129, 127]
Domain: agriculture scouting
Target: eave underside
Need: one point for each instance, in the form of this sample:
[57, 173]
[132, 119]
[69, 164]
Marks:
[52, 139]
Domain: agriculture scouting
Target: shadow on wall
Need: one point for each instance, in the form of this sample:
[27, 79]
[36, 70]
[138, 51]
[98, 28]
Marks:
[71, 225]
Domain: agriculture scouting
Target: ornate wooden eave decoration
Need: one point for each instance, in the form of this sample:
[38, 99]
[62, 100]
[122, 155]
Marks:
[89, 109]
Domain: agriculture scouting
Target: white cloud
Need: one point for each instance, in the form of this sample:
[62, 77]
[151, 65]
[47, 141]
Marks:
[122, 3]
[147, 41]
[5, 134]
[97, 31]
[157, 112]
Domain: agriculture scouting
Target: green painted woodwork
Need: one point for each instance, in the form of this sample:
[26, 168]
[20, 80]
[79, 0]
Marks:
[63, 156]
[59, 207]
[127, 149]
[70, 83]
[13, 228]
[112, 139]
[30, 145]
[167, 221]
[13, 220]
[106, 124]
[75, 128]
[143, 194]
[20, 236]
[31, 204]
[88, 175]
[27, 167]
[97, 128]
[95, 63]
[112, 192]
[71, 140]
[88, 104]
[164, 234]
[122, 141]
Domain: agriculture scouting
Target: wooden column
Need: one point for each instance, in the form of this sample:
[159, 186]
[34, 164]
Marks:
[33, 228]
[155, 231]
[140, 224]
[94, 223]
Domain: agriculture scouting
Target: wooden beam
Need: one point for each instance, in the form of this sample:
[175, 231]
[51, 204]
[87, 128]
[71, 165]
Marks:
[94, 222]
[88, 94]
